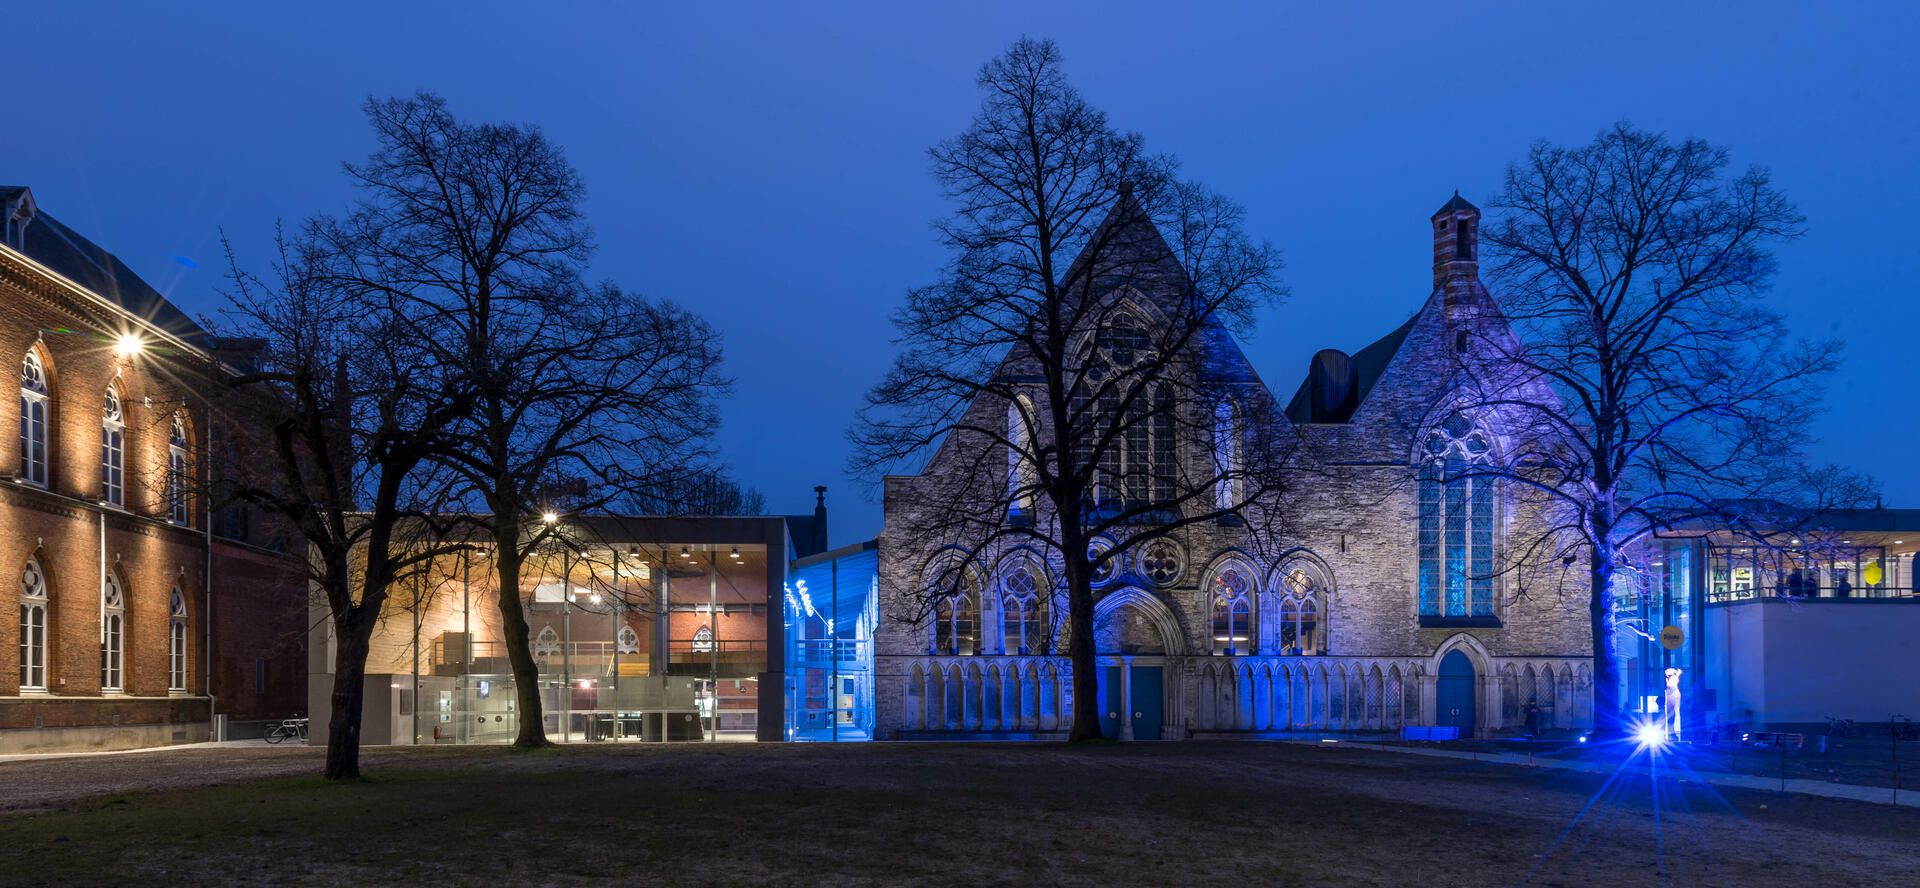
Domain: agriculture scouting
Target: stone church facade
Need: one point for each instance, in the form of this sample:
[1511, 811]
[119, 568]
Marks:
[1386, 605]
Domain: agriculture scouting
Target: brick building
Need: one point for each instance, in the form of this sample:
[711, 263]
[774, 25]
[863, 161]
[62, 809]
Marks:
[1379, 609]
[120, 577]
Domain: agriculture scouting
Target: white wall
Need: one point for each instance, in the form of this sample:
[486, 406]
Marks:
[1793, 662]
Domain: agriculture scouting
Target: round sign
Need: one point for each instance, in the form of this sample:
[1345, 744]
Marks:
[1873, 573]
[1671, 638]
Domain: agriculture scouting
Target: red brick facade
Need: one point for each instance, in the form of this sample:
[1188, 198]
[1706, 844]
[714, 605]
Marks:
[76, 538]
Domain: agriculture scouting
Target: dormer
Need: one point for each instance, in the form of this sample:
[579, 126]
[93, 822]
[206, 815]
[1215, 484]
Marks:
[15, 215]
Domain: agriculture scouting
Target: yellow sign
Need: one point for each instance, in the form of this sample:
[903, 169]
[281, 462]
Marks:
[1671, 638]
[1873, 574]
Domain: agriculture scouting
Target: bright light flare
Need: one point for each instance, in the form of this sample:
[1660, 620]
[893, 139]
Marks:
[1651, 736]
[128, 345]
[549, 517]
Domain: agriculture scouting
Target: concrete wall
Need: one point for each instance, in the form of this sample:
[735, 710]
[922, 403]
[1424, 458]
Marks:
[1798, 662]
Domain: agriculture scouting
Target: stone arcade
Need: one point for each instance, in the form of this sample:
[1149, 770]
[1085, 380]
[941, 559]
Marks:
[1381, 610]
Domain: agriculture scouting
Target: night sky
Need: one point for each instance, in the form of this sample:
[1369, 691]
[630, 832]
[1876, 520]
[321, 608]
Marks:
[767, 166]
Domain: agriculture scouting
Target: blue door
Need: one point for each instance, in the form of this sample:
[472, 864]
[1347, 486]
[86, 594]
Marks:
[1454, 695]
[1148, 698]
[1110, 702]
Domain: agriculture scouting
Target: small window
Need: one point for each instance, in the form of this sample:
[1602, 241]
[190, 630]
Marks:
[260, 675]
[1462, 240]
[703, 640]
[1460, 342]
[113, 624]
[177, 642]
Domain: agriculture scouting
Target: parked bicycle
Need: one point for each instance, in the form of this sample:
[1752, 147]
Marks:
[1841, 728]
[295, 728]
[1903, 728]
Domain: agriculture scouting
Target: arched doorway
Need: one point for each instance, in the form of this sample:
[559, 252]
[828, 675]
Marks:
[1454, 695]
[1134, 634]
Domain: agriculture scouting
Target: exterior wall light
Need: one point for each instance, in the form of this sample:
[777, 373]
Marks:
[128, 345]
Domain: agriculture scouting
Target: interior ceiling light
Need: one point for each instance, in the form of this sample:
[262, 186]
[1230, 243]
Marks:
[686, 552]
[735, 554]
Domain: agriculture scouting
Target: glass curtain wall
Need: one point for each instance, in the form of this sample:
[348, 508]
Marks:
[634, 641]
[832, 608]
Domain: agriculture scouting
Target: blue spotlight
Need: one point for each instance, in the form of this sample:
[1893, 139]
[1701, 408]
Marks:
[1651, 735]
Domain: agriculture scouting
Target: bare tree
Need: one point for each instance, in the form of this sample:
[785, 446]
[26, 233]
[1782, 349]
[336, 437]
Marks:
[582, 394]
[1647, 387]
[1070, 354]
[339, 414]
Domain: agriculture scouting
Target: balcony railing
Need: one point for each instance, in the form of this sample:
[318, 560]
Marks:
[1828, 593]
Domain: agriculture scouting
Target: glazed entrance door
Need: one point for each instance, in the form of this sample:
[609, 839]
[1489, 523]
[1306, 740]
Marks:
[1149, 698]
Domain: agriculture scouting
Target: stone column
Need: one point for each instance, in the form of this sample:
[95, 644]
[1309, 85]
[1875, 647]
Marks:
[1126, 698]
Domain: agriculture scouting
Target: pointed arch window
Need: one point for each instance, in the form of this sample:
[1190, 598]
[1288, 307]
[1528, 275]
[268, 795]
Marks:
[1128, 421]
[113, 633]
[703, 640]
[1226, 456]
[177, 473]
[1301, 604]
[177, 642]
[33, 628]
[1023, 611]
[627, 641]
[1021, 474]
[1456, 522]
[954, 589]
[547, 643]
[1233, 611]
[33, 420]
[113, 444]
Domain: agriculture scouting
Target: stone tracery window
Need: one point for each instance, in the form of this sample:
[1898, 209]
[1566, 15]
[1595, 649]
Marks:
[1021, 474]
[1456, 517]
[1299, 606]
[1103, 570]
[1162, 562]
[547, 643]
[954, 589]
[1233, 611]
[33, 420]
[1023, 610]
[1129, 414]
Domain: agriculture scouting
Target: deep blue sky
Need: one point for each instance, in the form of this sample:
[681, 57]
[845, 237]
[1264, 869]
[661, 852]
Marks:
[766, 165]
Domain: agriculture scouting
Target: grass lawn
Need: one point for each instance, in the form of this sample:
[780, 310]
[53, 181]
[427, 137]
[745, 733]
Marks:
[1190, 813]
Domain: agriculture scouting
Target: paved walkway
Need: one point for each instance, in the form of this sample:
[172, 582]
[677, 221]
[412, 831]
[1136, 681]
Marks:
[144, 750]
[1879, 795]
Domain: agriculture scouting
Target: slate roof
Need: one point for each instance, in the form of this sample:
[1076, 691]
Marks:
[51, 243]
[1371, 362]
[1457, 203]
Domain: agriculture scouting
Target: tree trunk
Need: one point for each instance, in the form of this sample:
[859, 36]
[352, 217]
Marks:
[1607, 717]
[532, 732]
[348, 698]
[1080, 642]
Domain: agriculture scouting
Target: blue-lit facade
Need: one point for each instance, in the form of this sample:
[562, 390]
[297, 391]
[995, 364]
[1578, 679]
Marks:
[831, 610]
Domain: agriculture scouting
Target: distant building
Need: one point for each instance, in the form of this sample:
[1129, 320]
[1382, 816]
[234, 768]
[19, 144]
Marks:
[1382, 610]
[140, 612]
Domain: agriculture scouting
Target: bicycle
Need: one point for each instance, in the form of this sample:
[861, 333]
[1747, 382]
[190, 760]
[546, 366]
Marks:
[288, 728]
[1841, 728]
[1903, 728]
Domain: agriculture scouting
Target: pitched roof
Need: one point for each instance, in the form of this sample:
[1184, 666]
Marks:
[1457, 203]
[51, 243]
[1371, 362]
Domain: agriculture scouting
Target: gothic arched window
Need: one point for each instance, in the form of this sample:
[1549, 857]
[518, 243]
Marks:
[177, 642]
[1456, 518]
[177, 473]
[703, 640]
[1233, 595]
[113, 445]
[1023, 610]
[1226, 456]
[113, 630]
[955, 590]
[33, 420]
[33, 628]
[1301, 606]
[1129, 423]
[1021, 474]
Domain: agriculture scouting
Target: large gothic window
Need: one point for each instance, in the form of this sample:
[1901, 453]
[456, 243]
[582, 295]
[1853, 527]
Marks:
[1233, 595]
[33, 420]
[1226, 456]
[1130, 422]
[33, 628]
[1300, 606]
[1456, 518]
[1023, 610]
[954, 589]
[1021, 476]
[113, 633]
[113, 443]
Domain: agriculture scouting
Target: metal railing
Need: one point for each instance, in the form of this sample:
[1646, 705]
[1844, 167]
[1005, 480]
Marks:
[1811, 593]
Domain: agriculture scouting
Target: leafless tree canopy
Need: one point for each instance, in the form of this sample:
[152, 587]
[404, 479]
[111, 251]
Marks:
[1081, 330]
[1649, 385]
